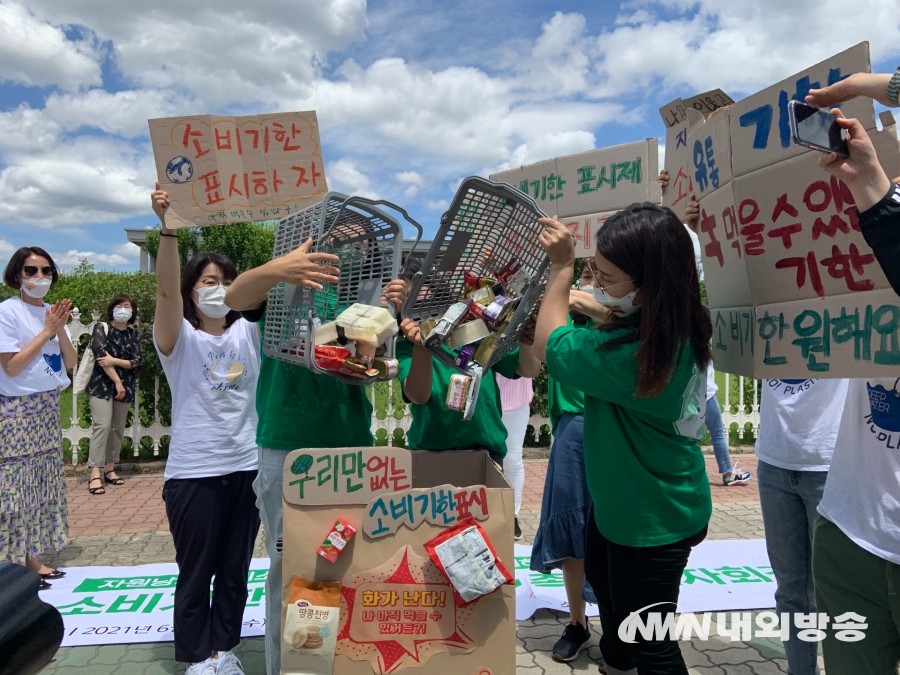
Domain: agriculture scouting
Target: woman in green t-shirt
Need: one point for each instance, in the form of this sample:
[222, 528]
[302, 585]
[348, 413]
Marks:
[643, 376]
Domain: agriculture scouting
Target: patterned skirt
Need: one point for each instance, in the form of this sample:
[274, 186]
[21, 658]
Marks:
[33, 510]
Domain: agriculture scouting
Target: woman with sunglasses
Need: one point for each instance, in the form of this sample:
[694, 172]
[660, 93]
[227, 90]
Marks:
[643, 374]
[35, 351]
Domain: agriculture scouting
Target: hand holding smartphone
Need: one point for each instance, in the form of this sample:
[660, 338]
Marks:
[816, 128]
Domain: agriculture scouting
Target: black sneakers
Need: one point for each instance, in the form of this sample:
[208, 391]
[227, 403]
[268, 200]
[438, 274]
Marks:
[574, 638]
[517, 531]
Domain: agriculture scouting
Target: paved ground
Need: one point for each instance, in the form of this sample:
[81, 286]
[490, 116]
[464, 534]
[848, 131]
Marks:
[128, 526]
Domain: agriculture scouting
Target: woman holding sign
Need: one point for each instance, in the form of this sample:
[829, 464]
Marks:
[211, 359]
[643, 377]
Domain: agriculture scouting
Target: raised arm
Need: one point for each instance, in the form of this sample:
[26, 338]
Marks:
[554, 311]
[169, 306]
[417, 385]
[299, 267]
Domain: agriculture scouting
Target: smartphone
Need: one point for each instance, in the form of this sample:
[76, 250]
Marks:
[816, 128]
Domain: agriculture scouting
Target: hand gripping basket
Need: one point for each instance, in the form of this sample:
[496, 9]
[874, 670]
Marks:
[488, 226]
[368, 241]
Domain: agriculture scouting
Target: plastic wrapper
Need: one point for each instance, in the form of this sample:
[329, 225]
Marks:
[464, 554]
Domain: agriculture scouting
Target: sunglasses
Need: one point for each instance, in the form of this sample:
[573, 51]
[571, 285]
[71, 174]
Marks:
[31, 270]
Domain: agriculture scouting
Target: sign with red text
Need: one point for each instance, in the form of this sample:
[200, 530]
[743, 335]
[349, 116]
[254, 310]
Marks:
[398, 611]
[794, 289]
[680, 117]
[589, 184]
[220, 170]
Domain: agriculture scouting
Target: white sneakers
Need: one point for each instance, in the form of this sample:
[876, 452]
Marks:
[207, 667]
[227, 663]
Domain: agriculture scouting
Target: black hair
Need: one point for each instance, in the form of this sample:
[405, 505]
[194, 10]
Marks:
[191, 275]
[12, 277]
[650, 244]
[118, 299]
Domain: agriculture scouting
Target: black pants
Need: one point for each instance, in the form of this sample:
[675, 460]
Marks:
[627, 579]
[214, 522]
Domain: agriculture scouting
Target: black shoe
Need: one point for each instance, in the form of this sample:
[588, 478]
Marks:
[517, 531]
[53, 574]
[574, 638]
[44, 586]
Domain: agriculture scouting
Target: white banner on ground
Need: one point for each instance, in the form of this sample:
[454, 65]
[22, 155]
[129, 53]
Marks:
[721, 575]
[124, 605]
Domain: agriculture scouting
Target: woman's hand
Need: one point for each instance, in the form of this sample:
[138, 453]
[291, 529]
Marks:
[120, 391]
[557, 242]
[107, 360]
[302, 268]
[872, 85]
[411, 331]
[395, 293]
[159, 198]
[56, 317]
[860, 170]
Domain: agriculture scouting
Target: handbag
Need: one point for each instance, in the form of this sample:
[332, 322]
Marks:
[86, 367]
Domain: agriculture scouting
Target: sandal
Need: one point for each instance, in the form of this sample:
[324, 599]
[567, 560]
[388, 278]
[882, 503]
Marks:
[113, 481]
[96, 490]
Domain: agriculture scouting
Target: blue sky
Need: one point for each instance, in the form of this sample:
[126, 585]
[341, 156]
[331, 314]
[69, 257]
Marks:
[411, 95]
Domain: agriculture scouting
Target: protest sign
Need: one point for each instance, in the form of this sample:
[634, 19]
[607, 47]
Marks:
[220, 170]
[586, 188]
[794, 289]
[680, 117]
[398, 610]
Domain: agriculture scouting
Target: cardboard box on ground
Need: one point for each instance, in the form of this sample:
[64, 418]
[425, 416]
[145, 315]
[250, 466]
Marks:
[794, 290]
[397, 610]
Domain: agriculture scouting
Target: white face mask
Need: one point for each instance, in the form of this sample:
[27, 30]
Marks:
[624, 304]
[587, 288]
[36, 288]
[121, 314]
[211, 301]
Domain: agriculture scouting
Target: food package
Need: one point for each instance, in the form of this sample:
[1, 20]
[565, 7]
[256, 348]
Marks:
[367, 323]
[464, 554]
[310, 627]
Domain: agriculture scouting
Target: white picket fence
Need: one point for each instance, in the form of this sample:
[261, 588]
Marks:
[382, 420]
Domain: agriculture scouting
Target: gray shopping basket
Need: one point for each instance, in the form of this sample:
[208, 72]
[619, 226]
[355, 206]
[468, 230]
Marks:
[487, 227]
[368, 241]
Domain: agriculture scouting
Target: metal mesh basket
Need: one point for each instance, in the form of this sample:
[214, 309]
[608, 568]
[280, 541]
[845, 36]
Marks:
[368, 241]
[488, 226]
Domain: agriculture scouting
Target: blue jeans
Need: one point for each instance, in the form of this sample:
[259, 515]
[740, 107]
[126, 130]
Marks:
[267, 487]
[788, 500]
[718, 435]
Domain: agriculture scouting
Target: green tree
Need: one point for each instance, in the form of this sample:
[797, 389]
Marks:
[248, 245]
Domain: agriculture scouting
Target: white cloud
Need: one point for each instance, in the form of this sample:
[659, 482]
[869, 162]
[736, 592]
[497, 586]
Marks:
[72, 258]
[123, 113]
[85, 180]
[413, 181]
[35, 53]
[344, 176]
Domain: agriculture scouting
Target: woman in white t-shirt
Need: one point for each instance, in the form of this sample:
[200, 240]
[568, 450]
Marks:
[211, 359]
[35, 350]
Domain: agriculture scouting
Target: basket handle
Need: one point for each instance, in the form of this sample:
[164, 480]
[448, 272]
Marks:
[398, 209]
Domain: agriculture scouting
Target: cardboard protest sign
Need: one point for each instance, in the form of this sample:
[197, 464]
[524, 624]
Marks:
[585, 188]
[794, 289]
[680, 117]
[398, 610]
[221, 170]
